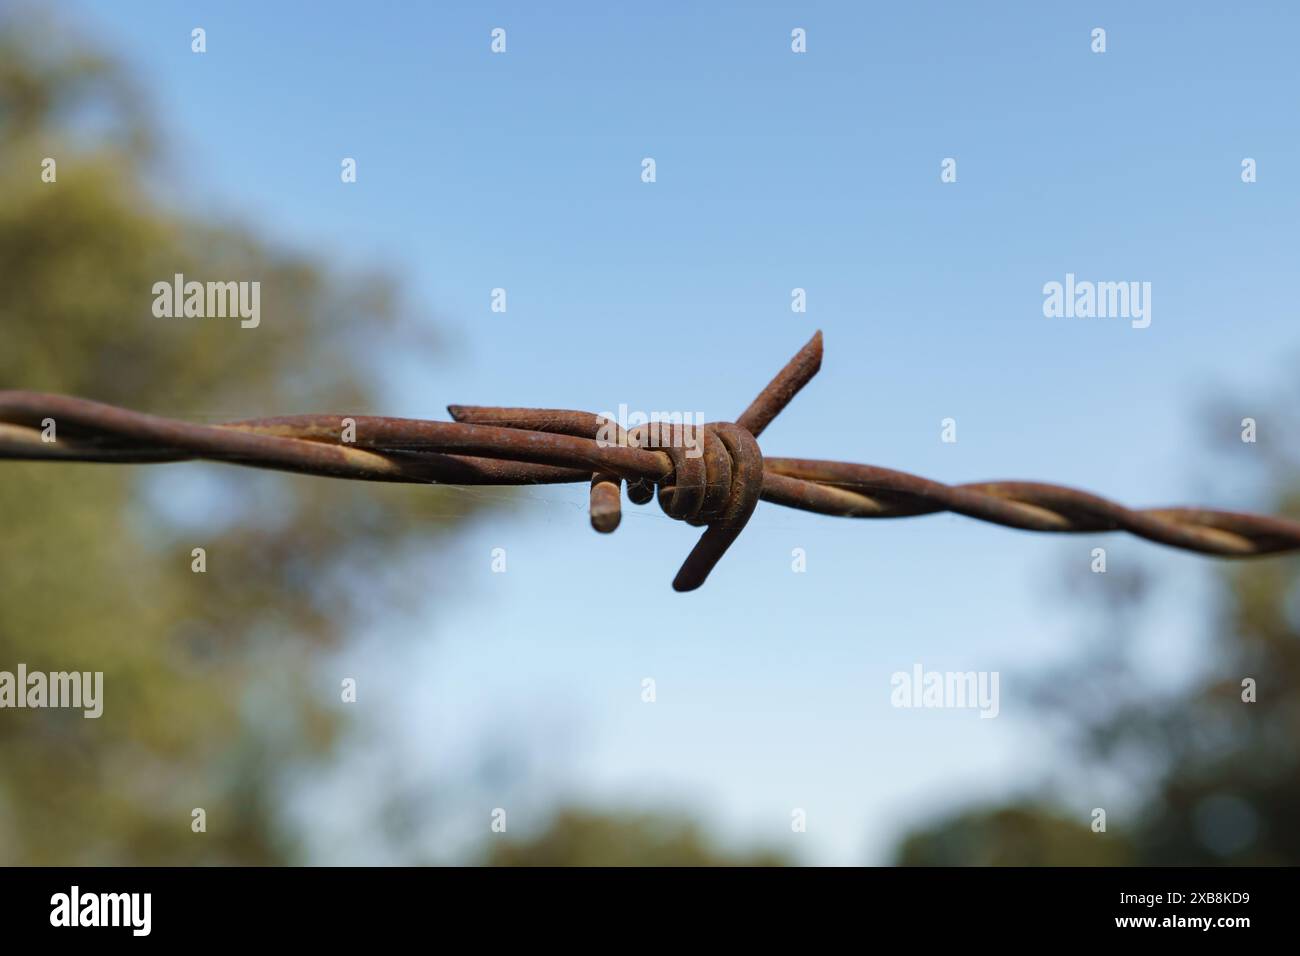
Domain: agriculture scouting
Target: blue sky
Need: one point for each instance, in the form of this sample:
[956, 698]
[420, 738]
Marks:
[774, 171]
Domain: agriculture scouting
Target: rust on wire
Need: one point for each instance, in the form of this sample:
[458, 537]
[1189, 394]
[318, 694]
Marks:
[714, 482]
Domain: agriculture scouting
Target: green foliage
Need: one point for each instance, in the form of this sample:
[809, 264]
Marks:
[210, 700]
[577, 837]
[1212, 779]
[1018, 835]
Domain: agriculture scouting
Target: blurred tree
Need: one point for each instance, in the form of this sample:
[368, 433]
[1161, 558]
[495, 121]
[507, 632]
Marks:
[1020, 835]
[1215, 778]
[578, 837]
[209, 700]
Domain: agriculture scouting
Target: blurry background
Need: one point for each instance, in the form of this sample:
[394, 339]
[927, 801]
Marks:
[523, 690]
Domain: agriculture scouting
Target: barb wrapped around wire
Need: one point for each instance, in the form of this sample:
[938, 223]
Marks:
[716, 483]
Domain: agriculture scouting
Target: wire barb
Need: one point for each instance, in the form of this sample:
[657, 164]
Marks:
[714, 482]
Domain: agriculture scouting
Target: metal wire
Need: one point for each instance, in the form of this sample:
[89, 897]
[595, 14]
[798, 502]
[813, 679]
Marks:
[715, 484]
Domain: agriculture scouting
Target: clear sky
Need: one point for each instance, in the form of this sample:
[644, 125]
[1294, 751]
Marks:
[775, 170]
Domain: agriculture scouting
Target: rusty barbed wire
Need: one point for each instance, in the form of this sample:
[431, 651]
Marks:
[717, 489]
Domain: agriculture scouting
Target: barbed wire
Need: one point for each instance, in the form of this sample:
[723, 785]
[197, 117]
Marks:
[712, 477]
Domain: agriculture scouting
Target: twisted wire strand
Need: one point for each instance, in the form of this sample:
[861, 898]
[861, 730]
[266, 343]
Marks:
[717, 488]
[849, 490]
